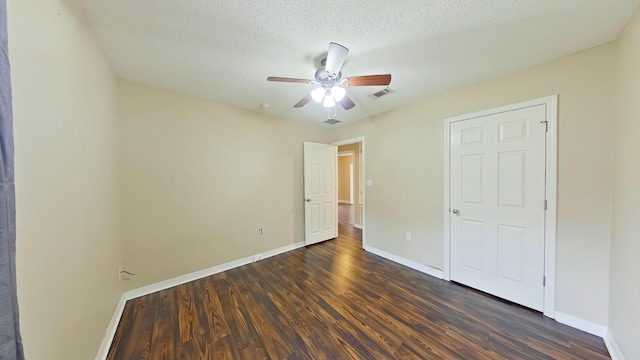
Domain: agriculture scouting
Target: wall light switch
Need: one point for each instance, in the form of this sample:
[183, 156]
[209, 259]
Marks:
[369, 183]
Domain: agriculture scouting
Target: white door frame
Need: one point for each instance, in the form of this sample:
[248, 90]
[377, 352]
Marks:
[359, 139]
[551, 106]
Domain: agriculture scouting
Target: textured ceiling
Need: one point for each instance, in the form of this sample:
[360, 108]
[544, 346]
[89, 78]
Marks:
[224, 50]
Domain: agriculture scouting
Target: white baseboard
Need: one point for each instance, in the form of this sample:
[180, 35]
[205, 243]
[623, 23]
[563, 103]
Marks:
[406, 262]
[612, 346]
[162, 285]
[103, 351]
[560, 317]
[581, 324]
[282, 250]
[358, 226]
[345, 202]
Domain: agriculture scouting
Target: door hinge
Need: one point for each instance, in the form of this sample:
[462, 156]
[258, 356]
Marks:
[546, 125]
[545, 204]
[544, 281]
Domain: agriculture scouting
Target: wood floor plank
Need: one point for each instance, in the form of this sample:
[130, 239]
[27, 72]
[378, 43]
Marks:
[189, 321]
[334, 300]
[165, 338]
[141, 326]
[221, 349]
[242, 332]
[265, 317]
[214, 310]
[317, 338]
[195, 349]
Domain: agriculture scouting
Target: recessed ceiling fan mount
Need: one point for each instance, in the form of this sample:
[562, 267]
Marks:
[332, 88]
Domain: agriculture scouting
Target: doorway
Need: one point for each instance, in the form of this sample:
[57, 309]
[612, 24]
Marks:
[346, 187]
[351, 199]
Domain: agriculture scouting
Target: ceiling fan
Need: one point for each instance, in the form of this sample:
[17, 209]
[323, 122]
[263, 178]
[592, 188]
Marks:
[331, 89]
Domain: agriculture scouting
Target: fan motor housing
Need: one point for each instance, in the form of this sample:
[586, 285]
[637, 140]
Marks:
[323, 78]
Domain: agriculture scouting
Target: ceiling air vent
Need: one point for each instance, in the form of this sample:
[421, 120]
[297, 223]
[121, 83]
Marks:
[332, 121]
[381, 93]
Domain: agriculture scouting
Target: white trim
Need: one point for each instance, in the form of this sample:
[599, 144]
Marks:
[162, 285]
[406, 262]
[612, 346]
[363, 188]
[103, 351]
[580, 324]
[348, 142]
[551, 106]
[551, 103]
[447, 204]
[345, 153]
[345, 202]
[357, 226]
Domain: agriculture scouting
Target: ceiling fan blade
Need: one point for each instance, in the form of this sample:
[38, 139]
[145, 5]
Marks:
[347, 103]
[369, 80]
[285, 79]
[335, 59]
[303, 102]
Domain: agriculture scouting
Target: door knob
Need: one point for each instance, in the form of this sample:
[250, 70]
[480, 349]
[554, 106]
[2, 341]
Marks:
[456, 211]
[308, 200]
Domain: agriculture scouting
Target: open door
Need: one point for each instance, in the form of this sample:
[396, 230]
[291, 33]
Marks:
[320, 192]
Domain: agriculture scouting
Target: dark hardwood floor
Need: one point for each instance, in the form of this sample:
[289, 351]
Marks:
[335, 301]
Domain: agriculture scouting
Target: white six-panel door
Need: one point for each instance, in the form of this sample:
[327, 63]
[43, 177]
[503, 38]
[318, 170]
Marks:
[497, 198]
[321, 195]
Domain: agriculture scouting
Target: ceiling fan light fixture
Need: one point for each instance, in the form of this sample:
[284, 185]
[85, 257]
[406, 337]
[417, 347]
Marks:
[329, 88]
[338, 93]
[328, 101]
[318, 94]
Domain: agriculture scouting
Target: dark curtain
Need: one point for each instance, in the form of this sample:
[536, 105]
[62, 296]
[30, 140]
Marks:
[10, 341]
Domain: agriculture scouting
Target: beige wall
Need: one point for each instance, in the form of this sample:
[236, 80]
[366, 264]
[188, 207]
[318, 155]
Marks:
[624, 323]
[196, 179]
[407, 195]
[68, 237]
[344, 178]
[200, 178]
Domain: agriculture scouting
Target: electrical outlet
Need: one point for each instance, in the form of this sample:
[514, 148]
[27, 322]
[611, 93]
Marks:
[259, 231]
[407, 236]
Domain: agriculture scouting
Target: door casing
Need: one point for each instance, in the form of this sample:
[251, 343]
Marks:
[363, 188]
[551, 106]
